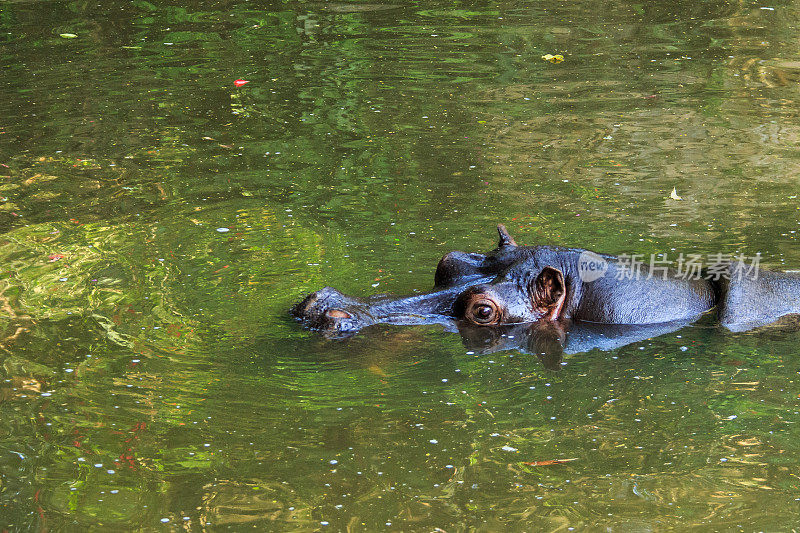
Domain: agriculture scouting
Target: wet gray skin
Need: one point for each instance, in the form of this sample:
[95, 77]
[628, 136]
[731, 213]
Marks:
[543, 284]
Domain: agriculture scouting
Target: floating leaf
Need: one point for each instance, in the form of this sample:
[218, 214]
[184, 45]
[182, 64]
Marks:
[241, 82]
[68, 35]
[674, 194]
[550, 462]
[558, 58]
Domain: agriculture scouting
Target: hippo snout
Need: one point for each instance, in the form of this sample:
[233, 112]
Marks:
[331, 312]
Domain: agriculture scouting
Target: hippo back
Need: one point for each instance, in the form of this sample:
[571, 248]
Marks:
[749, 302]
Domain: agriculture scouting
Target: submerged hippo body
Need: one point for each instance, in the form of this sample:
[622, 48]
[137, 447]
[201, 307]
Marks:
[545, 286]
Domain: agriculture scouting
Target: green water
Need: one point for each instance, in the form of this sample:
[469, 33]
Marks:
[157, 221]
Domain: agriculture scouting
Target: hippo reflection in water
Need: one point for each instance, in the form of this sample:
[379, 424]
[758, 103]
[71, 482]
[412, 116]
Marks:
[544, 295]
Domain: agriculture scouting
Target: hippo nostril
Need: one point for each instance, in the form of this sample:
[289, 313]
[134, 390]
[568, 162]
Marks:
[337, 313]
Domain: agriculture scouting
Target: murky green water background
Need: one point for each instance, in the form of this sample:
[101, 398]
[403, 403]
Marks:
[157, 222]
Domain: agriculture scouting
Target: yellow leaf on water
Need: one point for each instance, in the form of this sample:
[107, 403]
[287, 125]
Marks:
[67, 35]
[558, 58]
[674, 194]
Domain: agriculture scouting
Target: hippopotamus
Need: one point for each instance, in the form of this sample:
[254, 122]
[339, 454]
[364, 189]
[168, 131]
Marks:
[548, 291]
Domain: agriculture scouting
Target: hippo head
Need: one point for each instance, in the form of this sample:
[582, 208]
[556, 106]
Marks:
[509, 285]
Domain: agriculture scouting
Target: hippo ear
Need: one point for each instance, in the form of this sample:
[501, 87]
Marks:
[505, 238]
[548, 293]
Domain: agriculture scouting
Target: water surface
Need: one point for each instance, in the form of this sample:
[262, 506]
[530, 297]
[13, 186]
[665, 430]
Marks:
[157, 221]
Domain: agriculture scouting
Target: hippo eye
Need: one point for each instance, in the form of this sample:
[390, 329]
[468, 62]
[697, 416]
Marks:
[483, 311]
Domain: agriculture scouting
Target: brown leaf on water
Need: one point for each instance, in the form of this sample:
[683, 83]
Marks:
[37, 178]
[550, 462]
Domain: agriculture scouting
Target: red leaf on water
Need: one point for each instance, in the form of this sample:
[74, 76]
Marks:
[550, 462]
[241, 82]
[54, 257]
